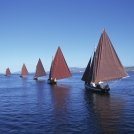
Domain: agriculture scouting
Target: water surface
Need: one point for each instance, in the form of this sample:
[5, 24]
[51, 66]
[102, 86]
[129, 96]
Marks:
[29, 106]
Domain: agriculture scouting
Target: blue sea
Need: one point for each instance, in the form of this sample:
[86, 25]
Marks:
[35, 107]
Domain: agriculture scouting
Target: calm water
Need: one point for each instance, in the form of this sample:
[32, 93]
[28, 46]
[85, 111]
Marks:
[28, 106]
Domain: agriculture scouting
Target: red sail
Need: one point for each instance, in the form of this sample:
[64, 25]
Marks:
[8, 71]
[40, 71]
[59, 68]
[24, 70]
[107, 65]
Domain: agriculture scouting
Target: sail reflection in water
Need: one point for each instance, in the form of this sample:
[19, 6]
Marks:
[40, 93]
[60, 99]
[60, 94]
[105, 110]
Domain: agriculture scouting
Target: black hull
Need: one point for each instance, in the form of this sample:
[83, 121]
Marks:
[35, 78]
[7, 75]
[97, 89]
[21, 76]
[51, 82]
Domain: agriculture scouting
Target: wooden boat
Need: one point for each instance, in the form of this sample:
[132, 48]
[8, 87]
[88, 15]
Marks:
[59, 68]
[40, 71]
[8, 72]
[24, 71]
[105, 66]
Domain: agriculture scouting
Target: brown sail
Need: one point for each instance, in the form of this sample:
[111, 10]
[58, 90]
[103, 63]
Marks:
[40, 71]
[59, 68]
[24, 70]
[8, 72]
[107, 65]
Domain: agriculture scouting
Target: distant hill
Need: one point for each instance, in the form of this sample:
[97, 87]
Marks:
[129, 68]
[18, 72]
[76, 69]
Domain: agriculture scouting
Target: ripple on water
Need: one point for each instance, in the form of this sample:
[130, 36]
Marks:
[29, 106]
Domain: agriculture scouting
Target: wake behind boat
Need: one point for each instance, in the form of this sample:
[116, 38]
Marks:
[59, 68]
[103, 67]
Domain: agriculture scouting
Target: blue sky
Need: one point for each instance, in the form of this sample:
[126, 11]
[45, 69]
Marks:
[33, 29]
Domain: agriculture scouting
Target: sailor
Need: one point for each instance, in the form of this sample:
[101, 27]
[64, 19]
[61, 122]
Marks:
[92, 84]
[55, 80]
[101, 84]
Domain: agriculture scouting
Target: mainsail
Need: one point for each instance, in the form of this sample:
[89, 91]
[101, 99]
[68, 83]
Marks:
[59, 68]
[24, 70]
[105, 65]
[40, 71]
[8, 72]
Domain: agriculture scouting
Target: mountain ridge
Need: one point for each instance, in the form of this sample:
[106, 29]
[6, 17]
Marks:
[76, 69]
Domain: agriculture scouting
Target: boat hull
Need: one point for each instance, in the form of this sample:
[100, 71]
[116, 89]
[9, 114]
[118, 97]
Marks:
[35, 78]
[97, 89]
[52, 82]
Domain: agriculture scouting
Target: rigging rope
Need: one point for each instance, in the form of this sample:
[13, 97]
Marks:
[114, 83]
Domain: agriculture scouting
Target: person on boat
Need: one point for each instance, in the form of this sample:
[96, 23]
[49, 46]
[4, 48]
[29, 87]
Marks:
[52, 80]
[101, 84]
[92, 84]
[55, 80]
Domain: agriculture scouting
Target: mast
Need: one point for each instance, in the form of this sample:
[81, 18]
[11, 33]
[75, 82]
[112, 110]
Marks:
[107, 65]
[60, 68]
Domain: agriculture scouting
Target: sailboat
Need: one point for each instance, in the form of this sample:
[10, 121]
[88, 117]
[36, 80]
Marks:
[59, 68]
[103, 67]
[24, 71]
[40, 71]
[7, 72]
